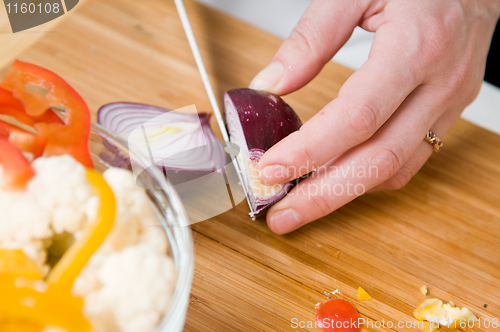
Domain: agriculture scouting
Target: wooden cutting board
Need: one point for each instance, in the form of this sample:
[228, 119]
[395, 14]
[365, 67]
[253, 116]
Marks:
[442, 230]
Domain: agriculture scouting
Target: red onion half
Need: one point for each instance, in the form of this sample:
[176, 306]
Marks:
[173, 140]
[256, 121]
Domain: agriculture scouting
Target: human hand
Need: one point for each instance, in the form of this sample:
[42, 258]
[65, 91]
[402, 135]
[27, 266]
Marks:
[425, 66]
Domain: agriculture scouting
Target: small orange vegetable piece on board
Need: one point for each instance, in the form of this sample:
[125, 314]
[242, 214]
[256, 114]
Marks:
[363, 295]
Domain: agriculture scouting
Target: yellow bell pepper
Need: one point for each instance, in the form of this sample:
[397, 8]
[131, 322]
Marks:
[16, 262]
[29, 303]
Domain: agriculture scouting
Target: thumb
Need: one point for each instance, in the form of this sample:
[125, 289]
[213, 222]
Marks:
[322, 30]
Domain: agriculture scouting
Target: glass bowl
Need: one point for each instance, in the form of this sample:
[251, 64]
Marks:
[107, 151]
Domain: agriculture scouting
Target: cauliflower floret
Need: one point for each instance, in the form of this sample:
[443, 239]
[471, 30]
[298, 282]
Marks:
[57, 199]
[135, 220]
[72, 202]
[137, 286]
[128, 282]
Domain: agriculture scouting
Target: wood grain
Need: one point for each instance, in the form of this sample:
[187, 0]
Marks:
[441, 230]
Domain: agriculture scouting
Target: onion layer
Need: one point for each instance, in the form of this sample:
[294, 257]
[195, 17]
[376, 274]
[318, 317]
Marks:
[174, 141]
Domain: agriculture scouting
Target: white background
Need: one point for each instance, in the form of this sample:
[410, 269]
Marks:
[280, 16]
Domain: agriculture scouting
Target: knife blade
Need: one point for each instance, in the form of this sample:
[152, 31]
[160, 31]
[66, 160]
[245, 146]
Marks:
[211, 96]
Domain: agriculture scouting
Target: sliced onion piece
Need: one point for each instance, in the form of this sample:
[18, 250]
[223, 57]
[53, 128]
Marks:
[175, 141]
[256, 121]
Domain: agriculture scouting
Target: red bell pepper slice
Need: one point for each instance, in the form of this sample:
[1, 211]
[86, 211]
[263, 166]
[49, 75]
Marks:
[14, 108]
[47, 117]
[22, 139]
[8, 100]
[68, 138]
[16, 170]
[21, 116]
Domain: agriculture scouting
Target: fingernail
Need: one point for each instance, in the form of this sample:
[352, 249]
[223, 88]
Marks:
[274, 174]
[269, 77]
[285, 221]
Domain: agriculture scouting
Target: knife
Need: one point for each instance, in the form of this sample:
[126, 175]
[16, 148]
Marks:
[211, 96]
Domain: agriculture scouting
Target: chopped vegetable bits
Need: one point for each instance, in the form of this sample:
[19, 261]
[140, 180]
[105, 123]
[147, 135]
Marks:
[434, 311]
[363, 295]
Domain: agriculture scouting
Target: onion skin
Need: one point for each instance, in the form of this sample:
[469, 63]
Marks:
[266, 118]
[256, 121]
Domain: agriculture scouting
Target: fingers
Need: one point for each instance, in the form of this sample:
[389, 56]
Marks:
[361, 168]
[325, 26]
[365, 102]
[409, 169]
[419, 158]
